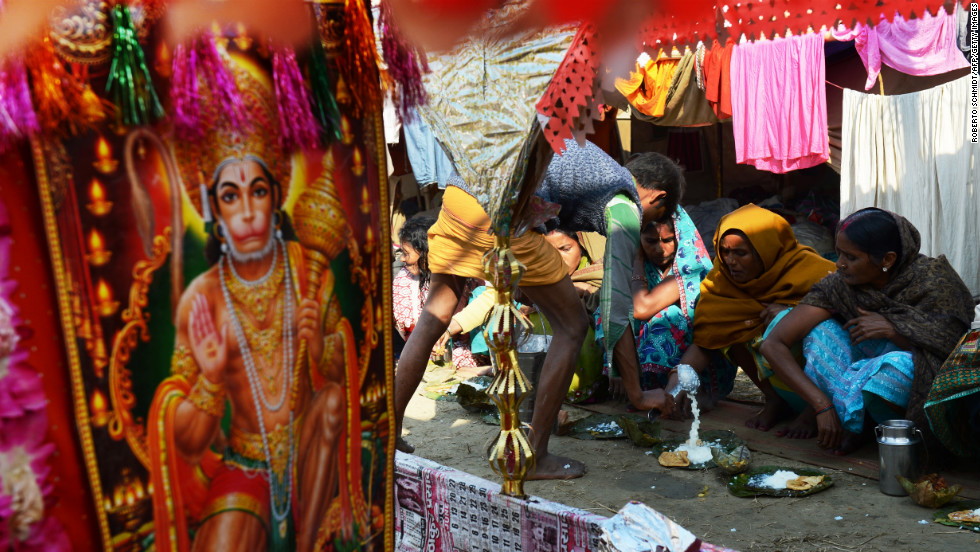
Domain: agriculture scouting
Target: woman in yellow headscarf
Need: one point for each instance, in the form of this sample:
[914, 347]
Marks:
[760, 272]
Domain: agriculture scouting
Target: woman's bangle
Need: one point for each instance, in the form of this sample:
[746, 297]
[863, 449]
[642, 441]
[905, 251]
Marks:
[824, 409]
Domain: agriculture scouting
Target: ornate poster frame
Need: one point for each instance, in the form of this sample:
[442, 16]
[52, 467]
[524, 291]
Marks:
[134, 329]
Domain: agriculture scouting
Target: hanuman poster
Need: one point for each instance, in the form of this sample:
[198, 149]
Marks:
[224, 304]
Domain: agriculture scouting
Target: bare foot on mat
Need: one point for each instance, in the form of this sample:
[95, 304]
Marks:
[553, 466]
[803, 427]
[851, 442]
[772, 412]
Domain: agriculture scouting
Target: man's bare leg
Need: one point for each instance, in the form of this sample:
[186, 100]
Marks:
[560, 305]
[444, 291]
[318, 462]
[231, 531]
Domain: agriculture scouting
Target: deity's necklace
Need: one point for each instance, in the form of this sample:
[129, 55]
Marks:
[263, 343]
[261, 291]
[280, 508]
[287, 329]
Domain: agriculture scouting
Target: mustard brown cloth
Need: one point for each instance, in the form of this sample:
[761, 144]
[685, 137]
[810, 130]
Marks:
[459, 238]
[686, 104]
[728, 313]
[925, 300]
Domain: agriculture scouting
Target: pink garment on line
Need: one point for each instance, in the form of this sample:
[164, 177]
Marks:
[779, 103]
[924, 46]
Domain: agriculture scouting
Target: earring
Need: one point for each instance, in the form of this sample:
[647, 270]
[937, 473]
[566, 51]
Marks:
[277, 222]
[224, 247]
[884, 269]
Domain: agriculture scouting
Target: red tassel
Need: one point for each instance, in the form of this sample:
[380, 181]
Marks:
[359, 63]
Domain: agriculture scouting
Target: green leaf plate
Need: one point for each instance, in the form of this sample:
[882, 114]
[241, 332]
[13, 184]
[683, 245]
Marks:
[597, 426]
[472, 395]
[942, 515]
[640, 430]
[739, 485]
[723, 438]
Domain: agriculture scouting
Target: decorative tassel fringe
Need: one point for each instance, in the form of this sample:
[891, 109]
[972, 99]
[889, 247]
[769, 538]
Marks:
[59, 98]
[130, 85]
[405, 63]
[359, 63]
[202, 60]
[185, 96]
[222, 83]
[324, 104]
[17, 117]
[298, 128]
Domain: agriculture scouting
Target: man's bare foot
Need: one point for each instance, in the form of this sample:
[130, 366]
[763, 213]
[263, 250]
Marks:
[851, 442]
[402, 445]
[803, 427]
[772, 412]
[552, 466]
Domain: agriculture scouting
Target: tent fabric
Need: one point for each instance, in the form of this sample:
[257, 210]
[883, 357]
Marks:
[911, 154]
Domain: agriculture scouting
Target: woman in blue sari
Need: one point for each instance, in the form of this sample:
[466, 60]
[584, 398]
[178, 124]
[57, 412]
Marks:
[666, 284]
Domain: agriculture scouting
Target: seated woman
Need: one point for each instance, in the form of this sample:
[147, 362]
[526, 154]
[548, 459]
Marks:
[666, 284]
[410, 287]
[577, 249]
[582, 253]
[759, 273]
[875, 333]
[953, 404]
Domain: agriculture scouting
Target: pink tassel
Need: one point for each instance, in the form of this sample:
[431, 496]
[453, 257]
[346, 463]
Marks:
[184, 95]
[298, 128]
[405, 65]
[222, 84]
[201, 59]
[15, 82]
[17, 117]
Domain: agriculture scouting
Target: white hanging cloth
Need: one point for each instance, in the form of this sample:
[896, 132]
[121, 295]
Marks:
[912, 154]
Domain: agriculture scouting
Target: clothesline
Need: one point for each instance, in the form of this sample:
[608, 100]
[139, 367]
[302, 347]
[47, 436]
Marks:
[881, 85]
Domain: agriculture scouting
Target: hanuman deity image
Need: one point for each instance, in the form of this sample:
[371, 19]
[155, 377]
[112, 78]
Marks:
[255, 435]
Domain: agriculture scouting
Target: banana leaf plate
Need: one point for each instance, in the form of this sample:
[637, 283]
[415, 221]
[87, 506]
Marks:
[721, 438]
[640, 430]
[597, 426]
[472, 395]
[741, 484]
[942, 515]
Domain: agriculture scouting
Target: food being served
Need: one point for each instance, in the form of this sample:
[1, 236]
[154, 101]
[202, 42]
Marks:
[970, 516]
[773, 481]
[804, 482]
[674, 459]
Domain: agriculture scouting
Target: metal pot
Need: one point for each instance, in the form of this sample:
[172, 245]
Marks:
[897, 454]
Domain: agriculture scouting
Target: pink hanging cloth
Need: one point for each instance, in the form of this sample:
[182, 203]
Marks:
[924, 46]
[779, 103]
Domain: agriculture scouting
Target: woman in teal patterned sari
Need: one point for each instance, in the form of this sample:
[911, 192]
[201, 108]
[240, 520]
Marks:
[666, 285]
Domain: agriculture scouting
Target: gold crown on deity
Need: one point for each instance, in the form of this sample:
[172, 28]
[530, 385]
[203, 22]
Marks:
[223, 139]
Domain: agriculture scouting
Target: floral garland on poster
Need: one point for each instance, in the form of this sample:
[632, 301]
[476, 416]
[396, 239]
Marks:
[24, 453]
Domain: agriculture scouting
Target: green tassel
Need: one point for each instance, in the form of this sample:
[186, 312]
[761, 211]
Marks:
[130, 86]
[324, 105]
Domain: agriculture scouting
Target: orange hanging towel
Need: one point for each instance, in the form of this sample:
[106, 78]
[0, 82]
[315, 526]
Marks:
[646, 89]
